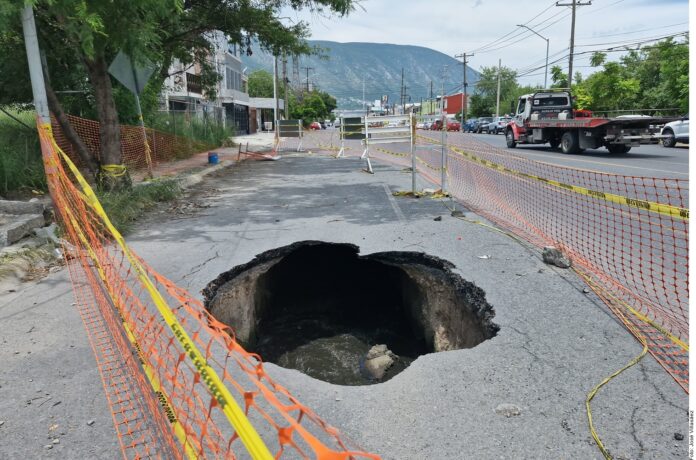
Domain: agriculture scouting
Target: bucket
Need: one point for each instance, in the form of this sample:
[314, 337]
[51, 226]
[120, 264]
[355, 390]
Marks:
[213, 158]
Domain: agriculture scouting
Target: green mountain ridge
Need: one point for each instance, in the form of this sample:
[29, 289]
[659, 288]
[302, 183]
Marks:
[342, 67]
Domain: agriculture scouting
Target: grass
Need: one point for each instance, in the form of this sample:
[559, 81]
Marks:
[21, 167]
[206, 130]
[125, 207]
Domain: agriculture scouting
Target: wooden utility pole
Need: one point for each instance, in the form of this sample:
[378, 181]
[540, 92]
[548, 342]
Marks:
[573, 5]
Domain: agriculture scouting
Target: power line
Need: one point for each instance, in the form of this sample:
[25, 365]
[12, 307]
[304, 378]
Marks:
[635, 31]
[487, 45]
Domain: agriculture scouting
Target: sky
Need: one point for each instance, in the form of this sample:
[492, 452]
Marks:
[488, 28]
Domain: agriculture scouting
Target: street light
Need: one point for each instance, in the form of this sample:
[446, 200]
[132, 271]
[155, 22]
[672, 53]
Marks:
[546, 73]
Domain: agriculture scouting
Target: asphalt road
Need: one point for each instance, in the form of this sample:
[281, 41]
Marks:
[646, 160]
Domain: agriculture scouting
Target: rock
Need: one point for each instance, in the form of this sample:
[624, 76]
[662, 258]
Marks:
[377, 367]
[377, 351]
[438, 219]
[678, 436]
[48, 446]
[2, 422]
[378, 360]
[457, 213]
[56, 441]
[48, 233]
[508, 410]
[90, 422]
[554, 256]
[586, 290]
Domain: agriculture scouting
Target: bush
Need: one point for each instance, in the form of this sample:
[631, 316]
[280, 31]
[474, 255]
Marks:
[21, 167]
[126, 206]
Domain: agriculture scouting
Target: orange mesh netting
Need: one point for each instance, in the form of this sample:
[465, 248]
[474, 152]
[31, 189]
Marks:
[177, 382]
[163, 146]
[627, 236]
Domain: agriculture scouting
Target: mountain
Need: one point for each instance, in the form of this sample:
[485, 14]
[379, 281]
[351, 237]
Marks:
[342, 67]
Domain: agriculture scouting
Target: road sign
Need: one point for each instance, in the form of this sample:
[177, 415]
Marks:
[132, 76]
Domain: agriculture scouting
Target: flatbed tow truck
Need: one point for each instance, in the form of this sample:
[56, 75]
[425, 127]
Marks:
[548, 117]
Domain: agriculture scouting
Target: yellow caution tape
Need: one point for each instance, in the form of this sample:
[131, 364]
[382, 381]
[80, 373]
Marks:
[113, 170]
[234, 414]
[665, 209]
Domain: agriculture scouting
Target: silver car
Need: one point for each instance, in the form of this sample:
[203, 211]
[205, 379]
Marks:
[498, 125]
[676, 131]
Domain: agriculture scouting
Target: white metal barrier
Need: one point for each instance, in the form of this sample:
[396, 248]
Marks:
[288, 128]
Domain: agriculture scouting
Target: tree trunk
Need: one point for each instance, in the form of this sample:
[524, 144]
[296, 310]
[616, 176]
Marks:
[82, 150]
[112, 174]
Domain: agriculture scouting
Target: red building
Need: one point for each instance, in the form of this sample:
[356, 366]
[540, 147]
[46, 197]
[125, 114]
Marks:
[453, 103]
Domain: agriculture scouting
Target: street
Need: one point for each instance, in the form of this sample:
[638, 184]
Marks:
[646, 160]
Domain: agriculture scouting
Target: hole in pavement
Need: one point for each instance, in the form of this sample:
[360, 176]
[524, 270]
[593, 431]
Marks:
[347, 319]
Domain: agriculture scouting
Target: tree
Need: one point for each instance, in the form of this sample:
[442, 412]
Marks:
[159, 31]
[487, 90]
[260, 84]
[313, 106]
[558, 77]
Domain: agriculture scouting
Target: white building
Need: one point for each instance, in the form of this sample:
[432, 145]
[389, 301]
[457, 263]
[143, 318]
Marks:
[183, 92]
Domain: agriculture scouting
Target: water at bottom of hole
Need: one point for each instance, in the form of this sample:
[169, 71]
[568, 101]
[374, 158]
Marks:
[333, 352]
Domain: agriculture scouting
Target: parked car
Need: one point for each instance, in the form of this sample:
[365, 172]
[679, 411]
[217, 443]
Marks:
[420, 125]
[471, 125]
[315, 125]
[483, 124]
[436, 125]
[453, 125]
[498, 125]
[676, 131]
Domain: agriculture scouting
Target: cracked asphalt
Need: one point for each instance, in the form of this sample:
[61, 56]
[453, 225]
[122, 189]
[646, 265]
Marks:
[555, 343]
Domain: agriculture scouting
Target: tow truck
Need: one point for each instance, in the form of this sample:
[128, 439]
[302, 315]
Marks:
[548, 117]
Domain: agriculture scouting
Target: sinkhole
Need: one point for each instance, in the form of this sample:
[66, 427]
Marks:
[347, 319]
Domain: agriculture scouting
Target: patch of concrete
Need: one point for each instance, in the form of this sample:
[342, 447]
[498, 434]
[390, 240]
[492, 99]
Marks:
[18, 219]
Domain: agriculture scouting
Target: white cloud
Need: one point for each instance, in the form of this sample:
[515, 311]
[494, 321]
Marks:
[453, 26]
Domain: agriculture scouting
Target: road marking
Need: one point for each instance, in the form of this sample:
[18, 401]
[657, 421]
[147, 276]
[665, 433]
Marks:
[394, 204]
[525, 152]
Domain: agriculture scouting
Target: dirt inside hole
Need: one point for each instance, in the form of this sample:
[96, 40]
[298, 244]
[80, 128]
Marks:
[321, 308]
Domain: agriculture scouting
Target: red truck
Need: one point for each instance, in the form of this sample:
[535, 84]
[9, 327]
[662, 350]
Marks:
[548, 117]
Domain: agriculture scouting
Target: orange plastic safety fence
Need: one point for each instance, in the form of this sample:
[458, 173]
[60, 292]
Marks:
[628, 236]
[163, 146]
[177, 382]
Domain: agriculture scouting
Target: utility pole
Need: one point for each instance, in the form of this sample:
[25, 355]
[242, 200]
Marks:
[497, 98]
[430, 112]
[307, 69]
[465, 97]
[285, 85]
[31, 43]
[573, 5]
[401, 95]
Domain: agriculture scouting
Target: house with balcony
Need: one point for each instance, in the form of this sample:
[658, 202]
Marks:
[183, 91]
